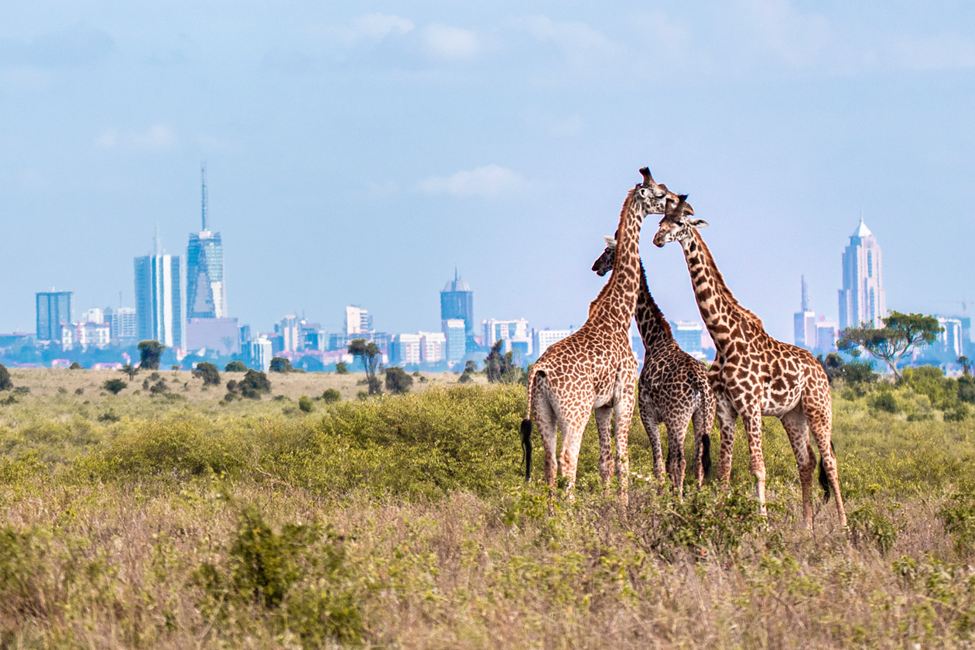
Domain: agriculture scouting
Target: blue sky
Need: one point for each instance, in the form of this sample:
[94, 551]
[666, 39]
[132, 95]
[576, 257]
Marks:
[358, 151]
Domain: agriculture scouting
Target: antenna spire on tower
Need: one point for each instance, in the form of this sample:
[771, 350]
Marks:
[203, 192]
[155, 241]
[805, 294]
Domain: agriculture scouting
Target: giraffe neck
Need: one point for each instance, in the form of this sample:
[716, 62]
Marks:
[651, 322]
[616, 302]
[724, 317]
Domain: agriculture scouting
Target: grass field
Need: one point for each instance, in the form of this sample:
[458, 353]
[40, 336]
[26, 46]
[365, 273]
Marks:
[182, 520]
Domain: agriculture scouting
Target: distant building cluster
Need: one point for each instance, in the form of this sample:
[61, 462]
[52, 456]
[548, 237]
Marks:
[196, 325]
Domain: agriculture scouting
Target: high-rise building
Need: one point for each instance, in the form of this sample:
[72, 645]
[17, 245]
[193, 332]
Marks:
[205, 290]
[457, 302]
[544, 338]
[53, 312]
[404, 349]
[357, 320]
[862, 299]
[689, 336]
[455, 331]
[804, 321]
[259, 353]
[122, 324]
[290, 332]
[950, 343]
[433, 347]
[509, 331]
[157, 298]
[827, 335]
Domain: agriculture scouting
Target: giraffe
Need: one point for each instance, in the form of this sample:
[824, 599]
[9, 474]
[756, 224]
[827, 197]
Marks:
[594, 368]
[674, 387]
[754, 374]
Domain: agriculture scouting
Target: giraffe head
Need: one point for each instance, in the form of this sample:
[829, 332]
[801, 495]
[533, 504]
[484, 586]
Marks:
[604, 263]
[676, 224]
[651, 197]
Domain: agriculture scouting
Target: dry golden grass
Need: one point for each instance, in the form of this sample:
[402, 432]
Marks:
[402, 522]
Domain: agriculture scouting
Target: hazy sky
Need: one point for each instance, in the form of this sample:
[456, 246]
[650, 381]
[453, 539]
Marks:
[358, 151]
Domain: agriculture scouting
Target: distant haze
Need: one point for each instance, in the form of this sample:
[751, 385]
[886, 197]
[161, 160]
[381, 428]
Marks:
[357, 154]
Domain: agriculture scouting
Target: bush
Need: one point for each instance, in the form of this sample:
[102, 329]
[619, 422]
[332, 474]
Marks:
[114, 386]
[397, 381]
[330, 396]
[208, 373]
[74, 366]
[341, 368]
[884, 401]
[5, 381]
[869, 525]
[150, 353]
[235, 366]
[280, 364]
[465, 378]
[305, 404]
[252, 386]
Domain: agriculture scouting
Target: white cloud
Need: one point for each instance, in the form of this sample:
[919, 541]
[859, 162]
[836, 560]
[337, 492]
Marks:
[487, 181]
[378, 26]
[155, 137]
[451, 43]
[579, 42]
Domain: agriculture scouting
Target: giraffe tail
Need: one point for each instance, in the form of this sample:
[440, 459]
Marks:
[706, 454]
[526, 424]
[823, 477]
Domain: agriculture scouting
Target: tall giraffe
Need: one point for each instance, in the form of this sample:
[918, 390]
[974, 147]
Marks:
[594, 368]
[674, 387]
[754, 374]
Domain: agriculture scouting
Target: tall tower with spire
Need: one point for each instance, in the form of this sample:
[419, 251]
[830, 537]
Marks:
[862, 298]
[804, 320]
[206, 295]
[457, 303]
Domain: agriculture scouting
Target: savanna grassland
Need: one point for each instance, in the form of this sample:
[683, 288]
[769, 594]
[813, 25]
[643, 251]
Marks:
[177, 518]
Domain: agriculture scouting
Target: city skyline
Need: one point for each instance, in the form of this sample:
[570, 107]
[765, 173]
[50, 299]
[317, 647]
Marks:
[495, 138]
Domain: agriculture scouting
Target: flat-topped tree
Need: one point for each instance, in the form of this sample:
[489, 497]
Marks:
[900, 334]
[754, 374]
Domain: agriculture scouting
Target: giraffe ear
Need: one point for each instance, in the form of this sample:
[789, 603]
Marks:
[698, 223]
[610, 241]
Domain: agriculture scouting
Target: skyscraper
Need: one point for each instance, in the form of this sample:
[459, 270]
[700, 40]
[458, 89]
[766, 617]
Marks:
[123, 324]
[457, 302]
[357, 320]
[862, 299]
[53, 312]
[205, 291]
[804, 321]
[454, 330]
[157, 298]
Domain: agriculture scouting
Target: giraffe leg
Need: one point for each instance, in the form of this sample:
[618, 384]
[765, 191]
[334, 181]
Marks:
[573, 425]
[604, 425]
[676, 462]
[797, 429]
[544, 416]
[753, 427]
[727, 418]
[624, 418]
[652, 428]
[821, 423]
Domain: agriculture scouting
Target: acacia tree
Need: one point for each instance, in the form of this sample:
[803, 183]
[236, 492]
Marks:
[966, 365]
[5, 382]
[900, 334]
[499, 367]
[150, 352]
[368, 353]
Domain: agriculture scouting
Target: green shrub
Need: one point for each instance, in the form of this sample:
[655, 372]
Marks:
[958, 517]
[5, 382]
[330, 396]
[868, 525]
[280, 364]
[341, 368]
[208, 373]
[397, 381]
[114, 386]
[884, 401]
[235, 366]
[305, 404]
